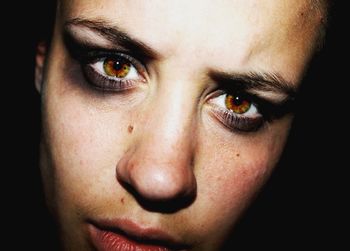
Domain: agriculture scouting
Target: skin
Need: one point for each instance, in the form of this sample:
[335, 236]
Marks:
[161, 138]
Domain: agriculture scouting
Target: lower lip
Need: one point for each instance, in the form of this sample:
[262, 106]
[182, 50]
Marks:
[110, 241]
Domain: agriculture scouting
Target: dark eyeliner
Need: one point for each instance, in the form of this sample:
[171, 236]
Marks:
[101, 83]
[237, 122]
[267, 110]
[271, 110]
[78, 50]
[83, 50]
[87, 54]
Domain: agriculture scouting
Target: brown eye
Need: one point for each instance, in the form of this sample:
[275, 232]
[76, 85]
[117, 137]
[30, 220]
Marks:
[237, 104]
[116, 67]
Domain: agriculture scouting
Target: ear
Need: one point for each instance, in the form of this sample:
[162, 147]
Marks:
[39, 64]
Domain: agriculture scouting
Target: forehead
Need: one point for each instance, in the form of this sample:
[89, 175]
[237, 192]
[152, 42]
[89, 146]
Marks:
[249, 31]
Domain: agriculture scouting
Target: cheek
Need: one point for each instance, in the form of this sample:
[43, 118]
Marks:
[80, 139]
[231, 184]
[231, 171]
[226, 189]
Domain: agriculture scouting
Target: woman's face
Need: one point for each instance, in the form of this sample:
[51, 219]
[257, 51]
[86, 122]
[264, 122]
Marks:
[162, 119]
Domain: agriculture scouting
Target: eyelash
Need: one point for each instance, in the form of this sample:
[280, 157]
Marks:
[248, 121]
[265, 111]
[88, 58]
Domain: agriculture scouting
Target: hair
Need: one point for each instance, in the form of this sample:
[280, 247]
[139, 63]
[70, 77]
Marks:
[323, 8]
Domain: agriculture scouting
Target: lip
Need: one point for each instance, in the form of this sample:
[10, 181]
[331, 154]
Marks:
[119, 235]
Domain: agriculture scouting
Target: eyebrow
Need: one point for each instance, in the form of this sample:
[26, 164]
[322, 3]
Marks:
[114, 35]
[268, 82]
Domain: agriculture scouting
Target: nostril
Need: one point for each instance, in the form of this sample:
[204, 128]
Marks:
[161, 197]
[161, 205]
[162, 187]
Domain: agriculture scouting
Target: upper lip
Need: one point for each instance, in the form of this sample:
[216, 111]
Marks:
[138, 233]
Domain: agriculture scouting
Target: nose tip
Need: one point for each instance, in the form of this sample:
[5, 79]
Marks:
[152, 181]
[160, 184]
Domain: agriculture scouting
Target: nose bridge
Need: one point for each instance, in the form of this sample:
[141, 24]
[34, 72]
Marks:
[172, 121]
[159, 165]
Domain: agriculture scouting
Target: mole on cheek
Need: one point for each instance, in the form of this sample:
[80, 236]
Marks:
[130, 128]
[122, 200]
[237, 154]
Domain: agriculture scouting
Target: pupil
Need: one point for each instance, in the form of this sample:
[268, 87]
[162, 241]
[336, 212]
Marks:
[237, 101]
[118, 65]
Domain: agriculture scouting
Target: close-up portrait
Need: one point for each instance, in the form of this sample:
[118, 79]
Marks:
[173, 125]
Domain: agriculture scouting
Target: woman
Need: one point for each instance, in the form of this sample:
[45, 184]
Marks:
[163, 119]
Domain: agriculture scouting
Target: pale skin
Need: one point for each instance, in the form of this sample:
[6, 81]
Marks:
[162, 136]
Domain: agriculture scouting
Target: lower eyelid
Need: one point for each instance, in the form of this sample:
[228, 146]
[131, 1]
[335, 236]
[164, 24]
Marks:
[236, 122]
[102, 83]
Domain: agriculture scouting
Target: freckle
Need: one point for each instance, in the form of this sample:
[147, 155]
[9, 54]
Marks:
[130, 128]
[122, 200]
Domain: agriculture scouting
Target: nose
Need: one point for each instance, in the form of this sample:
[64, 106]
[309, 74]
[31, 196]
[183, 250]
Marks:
[158, 175]
[158, 166]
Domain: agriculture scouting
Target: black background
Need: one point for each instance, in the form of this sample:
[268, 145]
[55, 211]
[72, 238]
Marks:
[300, 207]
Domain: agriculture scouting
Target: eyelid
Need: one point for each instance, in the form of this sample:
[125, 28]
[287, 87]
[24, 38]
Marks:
[266, 111]
[268, 107]
[140, 68]
[236, 122]
[100, 81]
[109, 36]
[245, 122]
[219, 101]
[86, 51]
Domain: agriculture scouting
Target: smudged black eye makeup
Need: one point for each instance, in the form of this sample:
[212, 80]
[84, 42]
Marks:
[105, 69]
[236, 111]
[113, 73]
[240, 110]
[244, 102]
[234, 103]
